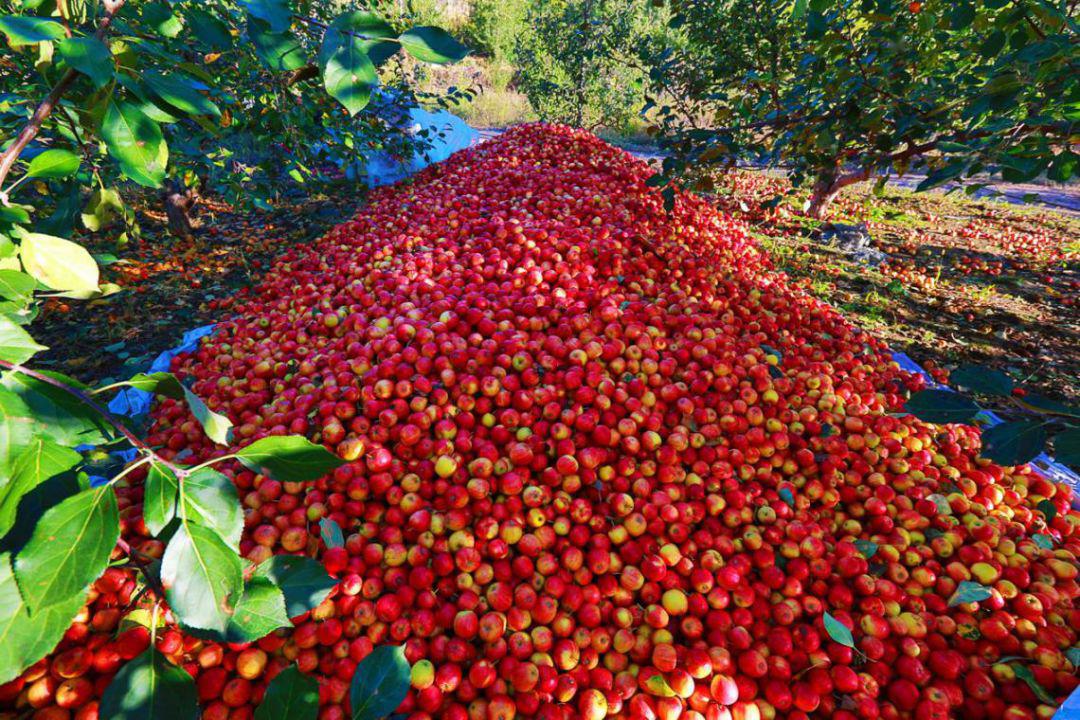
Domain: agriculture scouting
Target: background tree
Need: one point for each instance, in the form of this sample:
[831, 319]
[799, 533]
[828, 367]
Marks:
[577, 64]
[849, 91]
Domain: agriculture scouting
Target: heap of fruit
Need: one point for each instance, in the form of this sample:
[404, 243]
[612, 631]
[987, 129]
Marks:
[603, 462]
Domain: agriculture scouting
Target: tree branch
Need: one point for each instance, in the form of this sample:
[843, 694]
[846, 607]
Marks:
[308, 72]
[44, 110]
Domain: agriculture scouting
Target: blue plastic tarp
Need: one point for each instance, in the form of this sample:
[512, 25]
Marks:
[131, 401]
[446, 133]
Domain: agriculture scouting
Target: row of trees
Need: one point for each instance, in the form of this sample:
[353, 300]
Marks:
[854, 90]
[99, 97]
[836, 92]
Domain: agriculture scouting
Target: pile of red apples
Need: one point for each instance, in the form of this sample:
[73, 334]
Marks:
[603, 461]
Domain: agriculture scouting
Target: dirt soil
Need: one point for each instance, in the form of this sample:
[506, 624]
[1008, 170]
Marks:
[169, 285]
[957, 281]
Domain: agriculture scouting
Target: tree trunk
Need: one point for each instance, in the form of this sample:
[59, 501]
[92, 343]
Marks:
[179, 205]
[827, 188]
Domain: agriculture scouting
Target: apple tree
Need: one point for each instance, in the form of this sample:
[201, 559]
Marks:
[842, 92]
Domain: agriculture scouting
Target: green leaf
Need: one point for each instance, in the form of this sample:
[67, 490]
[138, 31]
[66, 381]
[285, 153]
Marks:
[380, 683]
[942, 175]
[210, 30]
[16, 425]
[1024, 673]
[16, 345]
[56, 414]
[150, 688]
[977, 378]
[217, 427]
[59, 264]
[1063, 166]
[25, 640]
[38, 461]
[54, 163]
[302, 580]
[1067, 446]
[867, 548]
[838, 631]
[349, 75]
[69, 549]
[291, 695]
[91, 57]
[16, 286]
[968, 592]
[1048, 509]
[433, 45]
[160, 494]
[787, 496]
[962, 15]
[331, 533]
[103, 206]
[135, 142]
[160, 17]
[261, 611]
[179, 94]
[291, 458]
[993, 44]
[159, 383]
[278, 51]
[941, 406]
[1015, 442]
[27, 30]
[1043, 541]
[209, 499]
[367, 30]
[1044, 404]
[203, 578]
[1073, 654]
[275, 13]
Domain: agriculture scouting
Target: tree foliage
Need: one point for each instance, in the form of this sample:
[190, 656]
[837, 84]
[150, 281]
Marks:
[860, 89]
[577, 64]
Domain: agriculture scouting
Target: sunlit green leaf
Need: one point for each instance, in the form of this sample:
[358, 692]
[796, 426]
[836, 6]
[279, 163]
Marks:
[28, 30]
[90, 56]
[838, 631]
[135, 142]
[16, 345]
[261, 611]
[433, 45]
[40, 460]
[24, 639]
[59, 264]
[54, 163]
[202, 577]
[69, 549]
[968, 592]
[290, 458]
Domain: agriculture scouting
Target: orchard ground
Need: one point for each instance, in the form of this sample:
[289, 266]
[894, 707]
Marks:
[963, 280]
